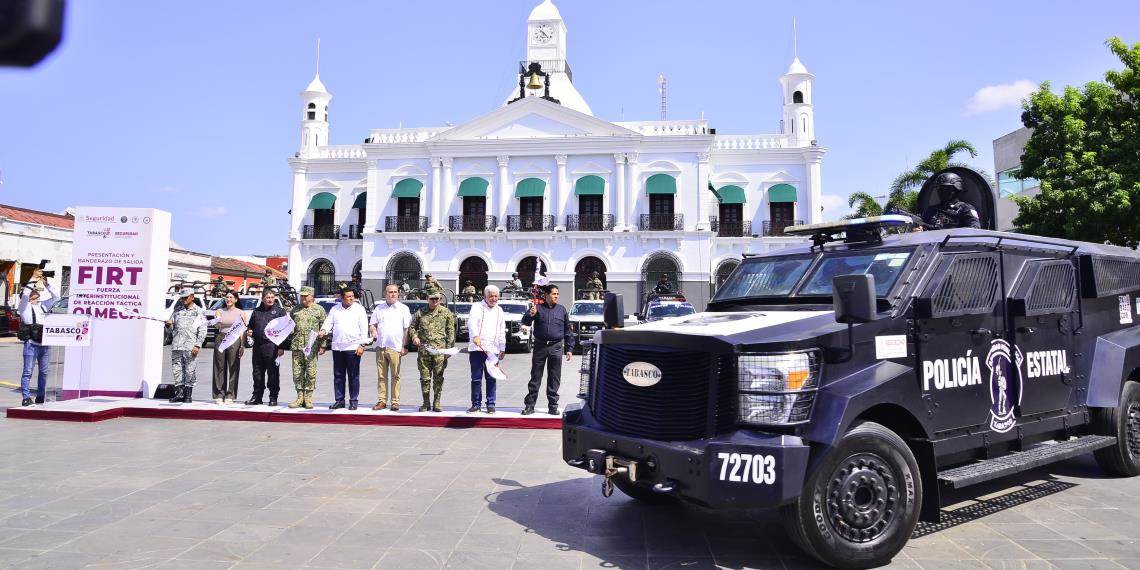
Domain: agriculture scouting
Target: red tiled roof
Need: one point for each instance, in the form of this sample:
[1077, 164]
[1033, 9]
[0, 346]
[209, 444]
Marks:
[236, 267]
[25, 215]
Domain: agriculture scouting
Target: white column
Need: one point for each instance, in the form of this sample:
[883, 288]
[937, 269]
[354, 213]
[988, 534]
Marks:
[504, 189]
[435, 195]
[372, 199]
[297, 216]
[619, 191]
[448, 196]
[296, 269]
[811, 212]
[702, 191]
[634, 190]
[560, 194]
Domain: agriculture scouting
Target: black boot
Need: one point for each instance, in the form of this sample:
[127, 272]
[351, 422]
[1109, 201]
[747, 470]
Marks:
[254, 400]
[188, 396]
[178, 390]
[273, 400]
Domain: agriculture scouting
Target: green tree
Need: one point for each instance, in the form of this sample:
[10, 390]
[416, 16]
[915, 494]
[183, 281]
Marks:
[904, 190]
[864, 204]
[1085, 150]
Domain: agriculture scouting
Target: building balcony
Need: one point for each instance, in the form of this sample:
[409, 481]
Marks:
[730, 228]
[661, 222]
[776, 228]
[355, 232]
[472, 223]
[320, 232]
[530, 223]
[587, 223]
[405, 223]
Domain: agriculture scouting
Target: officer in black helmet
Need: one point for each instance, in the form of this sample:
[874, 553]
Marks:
[951, 211]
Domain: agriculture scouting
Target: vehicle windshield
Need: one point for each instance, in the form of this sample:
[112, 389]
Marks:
[764, 278]
[245, 304]
[670, 310]
[513, 309]
[586, 309]
[884, 266]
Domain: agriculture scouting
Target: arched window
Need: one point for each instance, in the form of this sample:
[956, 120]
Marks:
[658, 266]
[404, 268]
[321, 277]
[798, 97]
[803, 124]
[326, 113]
[584, 271]
[473, 269]
[723, 270]
[312, 112]
[528, 269]
[358, 271]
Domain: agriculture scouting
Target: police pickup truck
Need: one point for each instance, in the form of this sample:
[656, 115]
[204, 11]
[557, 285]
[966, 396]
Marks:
[852, 381]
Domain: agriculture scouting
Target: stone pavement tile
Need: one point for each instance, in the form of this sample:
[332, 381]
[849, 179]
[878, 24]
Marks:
[378, 540]
[972, 564]
[55, 560]
[994, 549]
[1113, 548]
[384, 521]
[930, 548]
[403, 506]
[533, 543]
[620, 562]
[31, 520]
[1020, 531]
[1088, 531]
[273, 517]
[216, 513]
[350, 505]
[199, 529]
[345, 556]
[38, 539]
[249, 532]
[614, 545]
[405, 558]
[672, 545]
[307, 504]
[462, 560]
[739, 562]
[286, 553]
[681, 563]
[1130, 563]
[444, 541]
[440, 523]
[218, 550]
[1018, 564]
[71, 505]
[1092, 564]
[10, 556]
[501, 543]
[570, 561]
[330, 519]
[1111, 517]
[1057, 549]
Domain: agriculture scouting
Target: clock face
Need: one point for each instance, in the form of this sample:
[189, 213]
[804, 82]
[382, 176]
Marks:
[543, 34]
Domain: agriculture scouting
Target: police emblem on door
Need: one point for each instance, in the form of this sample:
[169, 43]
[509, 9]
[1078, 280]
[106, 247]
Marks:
[1004, 361]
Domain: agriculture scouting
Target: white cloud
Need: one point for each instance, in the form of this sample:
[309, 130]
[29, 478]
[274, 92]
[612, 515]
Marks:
[835, 207]
[212, 211]
[996, 97]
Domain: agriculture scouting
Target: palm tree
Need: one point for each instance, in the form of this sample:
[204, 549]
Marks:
[904, 193]
[864, 204]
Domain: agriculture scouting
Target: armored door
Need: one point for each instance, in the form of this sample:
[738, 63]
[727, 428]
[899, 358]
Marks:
[958, 328]
[1042, 313]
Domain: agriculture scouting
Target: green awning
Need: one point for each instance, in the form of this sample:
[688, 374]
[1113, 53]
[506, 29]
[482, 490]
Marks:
[407, 188]
[731, 194]
[473, 187]
[782, 193]
[661, 184]
[530, 188]
[590, 186]
[361, 200]
[322, 201]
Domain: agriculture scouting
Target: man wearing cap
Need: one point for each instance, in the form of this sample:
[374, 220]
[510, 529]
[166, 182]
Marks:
[189, 332]
[389, 326]
[432, 327]
[951, 211]
[308, 318]
[347, 324]
[432, 286]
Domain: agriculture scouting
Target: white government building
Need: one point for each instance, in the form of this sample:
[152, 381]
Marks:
[542, 178]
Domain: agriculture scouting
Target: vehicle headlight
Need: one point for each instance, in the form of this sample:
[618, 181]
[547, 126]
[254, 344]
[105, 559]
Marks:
[524, 329]
[777, 388]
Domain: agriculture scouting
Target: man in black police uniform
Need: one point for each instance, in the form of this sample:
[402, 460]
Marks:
[552, 338]
[951, 212]
[265, 352]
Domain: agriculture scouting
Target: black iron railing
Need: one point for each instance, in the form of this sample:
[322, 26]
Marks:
[590, 223]
[321, 232]
[530, 223]
[355, 232]
[776, 228]
[662, 222]
[730, 228]
[549, 66]
[405, 223]
[472, 223]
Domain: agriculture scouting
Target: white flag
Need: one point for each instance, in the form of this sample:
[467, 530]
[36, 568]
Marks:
[280, 328]
[444, 351]
[495, 372]
[309, 343]
[233, 335]
[540, 278]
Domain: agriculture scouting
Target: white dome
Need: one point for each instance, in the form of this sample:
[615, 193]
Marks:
[545, 11]
[796, 67]
[316, 85]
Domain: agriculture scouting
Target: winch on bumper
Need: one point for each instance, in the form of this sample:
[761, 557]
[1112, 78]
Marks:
[737, 469]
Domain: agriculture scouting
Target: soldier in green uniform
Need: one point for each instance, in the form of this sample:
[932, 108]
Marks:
[308, 317]
[595, 285]
[469, 291]
[432, 326]
[432, 286]
[270, 280]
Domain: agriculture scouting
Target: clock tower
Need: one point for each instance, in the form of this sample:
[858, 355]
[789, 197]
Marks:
[546, 45]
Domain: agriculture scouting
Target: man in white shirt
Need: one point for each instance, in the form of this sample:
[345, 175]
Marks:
[487, 328]
[389, 326]
[36, 300]
[348, 324]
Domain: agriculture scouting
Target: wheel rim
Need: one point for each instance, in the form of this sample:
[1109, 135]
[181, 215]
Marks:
[1132, 432]
[862, 497]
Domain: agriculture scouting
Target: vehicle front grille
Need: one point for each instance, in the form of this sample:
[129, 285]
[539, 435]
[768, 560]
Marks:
[676, 407]
[513, 326]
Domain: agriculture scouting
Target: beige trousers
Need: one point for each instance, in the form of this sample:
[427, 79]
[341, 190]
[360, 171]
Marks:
[388, 366]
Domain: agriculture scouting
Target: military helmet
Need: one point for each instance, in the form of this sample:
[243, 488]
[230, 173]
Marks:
[949, 179]
[514, 276]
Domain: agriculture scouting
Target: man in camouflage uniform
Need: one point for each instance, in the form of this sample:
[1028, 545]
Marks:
[432, 326]
[469, 290]
[308, 317]
[595, 286]
[189, 332]
[432, 286]
[220, 288]
[270, 280]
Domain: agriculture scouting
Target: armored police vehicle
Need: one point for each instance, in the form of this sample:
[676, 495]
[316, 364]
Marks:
[850, 382]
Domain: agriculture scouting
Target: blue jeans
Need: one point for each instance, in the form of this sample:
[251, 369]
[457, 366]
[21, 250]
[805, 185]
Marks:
[478, 361]
[33, 354]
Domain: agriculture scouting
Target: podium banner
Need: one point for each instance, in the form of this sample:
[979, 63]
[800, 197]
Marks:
[118, 271]
[67, 330]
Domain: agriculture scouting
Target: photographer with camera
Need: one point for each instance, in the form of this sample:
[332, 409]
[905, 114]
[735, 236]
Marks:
[36, 299]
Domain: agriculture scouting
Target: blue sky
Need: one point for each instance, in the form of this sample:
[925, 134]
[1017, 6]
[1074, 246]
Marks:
[193, 106]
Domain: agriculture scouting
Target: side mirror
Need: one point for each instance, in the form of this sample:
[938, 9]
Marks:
[854, 298]
[613, 311]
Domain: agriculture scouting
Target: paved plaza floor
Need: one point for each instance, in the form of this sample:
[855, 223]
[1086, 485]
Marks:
[137, 493]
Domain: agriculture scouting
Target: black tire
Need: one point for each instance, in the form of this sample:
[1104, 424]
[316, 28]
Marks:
[641, 493]
[1123, 421]
[881, 491]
